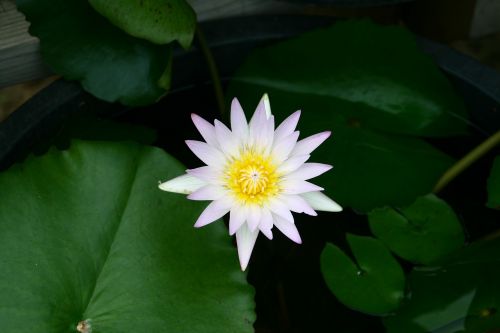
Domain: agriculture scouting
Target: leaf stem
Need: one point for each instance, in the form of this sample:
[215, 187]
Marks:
[467, 160]
[212, 67]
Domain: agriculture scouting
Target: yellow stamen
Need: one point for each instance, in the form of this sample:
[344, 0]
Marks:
[252, 178]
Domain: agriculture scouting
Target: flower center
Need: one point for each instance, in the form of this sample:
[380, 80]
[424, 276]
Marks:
[252, 178]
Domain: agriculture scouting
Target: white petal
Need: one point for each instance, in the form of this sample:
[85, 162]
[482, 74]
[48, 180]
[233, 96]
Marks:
[254, 217]
[280, 208]
[320, 201]
[215, 210]
[258, 128]
[207, 174]
[206, 129]
[287, 127]
[288, 229]
[237, 217]
[282, 149]
[267, 136]
[185, 184]
[292, 164]
[309, 170]
[239, 125]
[208, 192]
[264, 105]
[245, 240]
[228, 143]
[307, 145]
[298, 204]
[206, 153]
[266, 223]
[297, 186]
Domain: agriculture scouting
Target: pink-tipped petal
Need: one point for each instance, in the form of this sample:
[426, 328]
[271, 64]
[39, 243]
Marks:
[281, 151]
[292, 164]
[207, 174]
[298, 204]
[320, 201]
[297, 186]
[214, 211]
[206, 129]
[208, 192]
[245, 240]
[278, 207]
[228, 143]
[254, 217]
[184, 184]
[237, 217]
[309, 170]
[287, 127]
[207, 153]
[288, 229]
[239, 125]
[309, 144]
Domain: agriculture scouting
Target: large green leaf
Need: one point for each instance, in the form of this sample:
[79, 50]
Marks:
[423, 232]
[460, 296]
[494, 185]
[374, 284]
[159, 21]
[372, 167]
[85, 234]
[80, 44]
[374, 75]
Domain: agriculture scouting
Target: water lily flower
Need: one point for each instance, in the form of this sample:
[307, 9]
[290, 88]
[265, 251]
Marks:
[255, 172]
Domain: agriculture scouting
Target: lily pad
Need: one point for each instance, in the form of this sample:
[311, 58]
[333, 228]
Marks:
[159, 21]
[494, 185]
[461, 296]
[80, 44]
[423, 232]
[373, 166]
[373, 284]
[372, 74]
[85, 235]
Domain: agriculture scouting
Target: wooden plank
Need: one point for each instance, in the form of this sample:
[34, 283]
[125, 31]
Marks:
[20, 59]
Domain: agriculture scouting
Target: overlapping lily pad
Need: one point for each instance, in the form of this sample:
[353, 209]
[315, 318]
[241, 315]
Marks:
[85, 234]
[373, 284]
[423, 232]
[82, 45]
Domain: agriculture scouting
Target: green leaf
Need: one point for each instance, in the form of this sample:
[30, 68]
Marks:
[372, 167]
[462, 295]
[86, 234]
[159, 21]
[80, 44]
[494, 185]
[372, 74]
[423, 232]
[375, 284]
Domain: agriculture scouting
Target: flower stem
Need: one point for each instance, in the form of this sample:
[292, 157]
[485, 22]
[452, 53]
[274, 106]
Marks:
[212, 67]
[467, 160]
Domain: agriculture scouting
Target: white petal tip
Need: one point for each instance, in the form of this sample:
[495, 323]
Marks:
[185, 184]
[320, 201]
[267, 105]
